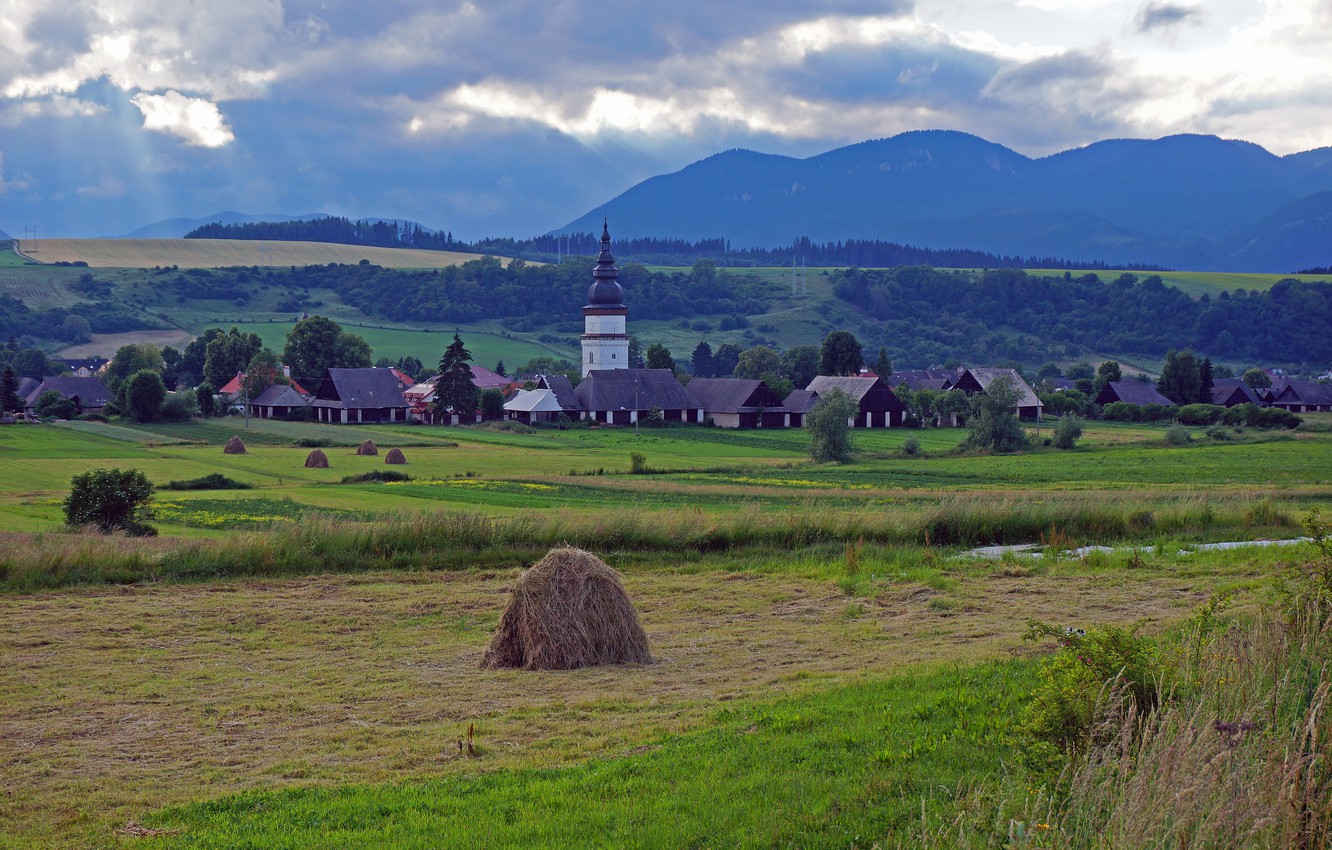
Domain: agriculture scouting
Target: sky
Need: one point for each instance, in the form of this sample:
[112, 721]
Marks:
[514, 117]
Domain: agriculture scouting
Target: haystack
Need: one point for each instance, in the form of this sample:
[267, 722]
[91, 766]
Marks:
[367, 448]
[568, 611]
[316, 460]
[395, 455]
[234, 446]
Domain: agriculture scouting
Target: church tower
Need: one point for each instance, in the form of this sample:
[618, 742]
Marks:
[605, 343]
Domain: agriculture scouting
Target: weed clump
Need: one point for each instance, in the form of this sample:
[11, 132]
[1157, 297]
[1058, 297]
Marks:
[568, 611]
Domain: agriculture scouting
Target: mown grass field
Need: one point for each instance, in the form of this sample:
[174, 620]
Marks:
[827, 673]
[217, 253]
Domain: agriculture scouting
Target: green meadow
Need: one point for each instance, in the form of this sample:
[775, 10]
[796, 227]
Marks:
[296, 664]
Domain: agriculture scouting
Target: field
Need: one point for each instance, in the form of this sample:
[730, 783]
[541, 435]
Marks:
[215, 253]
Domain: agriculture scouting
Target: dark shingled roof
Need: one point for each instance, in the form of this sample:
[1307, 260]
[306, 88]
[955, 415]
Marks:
[353, 389]
[1232, 391]
[563, 389]
[982, 377]
[733, 395]
[858, 388]
[1131, 392]
[614, 389]
[91, 391]
[800, 401]
[1300, 392]
[922, 379]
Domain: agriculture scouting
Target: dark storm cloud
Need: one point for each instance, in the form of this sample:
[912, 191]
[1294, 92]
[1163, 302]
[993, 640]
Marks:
[1164, 15]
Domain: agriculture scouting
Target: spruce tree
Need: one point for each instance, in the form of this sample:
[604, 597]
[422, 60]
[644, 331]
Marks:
[9, 400]
[454, 391]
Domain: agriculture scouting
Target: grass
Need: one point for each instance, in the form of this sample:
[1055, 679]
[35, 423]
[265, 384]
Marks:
[124, 700]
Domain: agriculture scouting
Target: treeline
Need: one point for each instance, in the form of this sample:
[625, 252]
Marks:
[865, 253]
[70, 324]
[931, 316]
[382, 234]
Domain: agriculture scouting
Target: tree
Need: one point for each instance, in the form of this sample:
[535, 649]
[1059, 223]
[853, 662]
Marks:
[30, 363]
[659, 357]
[728, 354]
[228, 355]
[454, 391]
[492, 404]
[499, 369]
[800, 363]
[190, 370]
[1105, 373]
[883, 366]
[9, 397]
[1205, 383]
[1181, 377]
[757, 362]
[829, 426]
[635, 352]
[262, 372]
[702, 362]
[75, 329]
[203, 395]
[1049, 372]
[1257, 379]
[51, 405]
[130, 360]
[1079, 371]
[992, 421]
[840, 354]
[110, 500]
[1067, 432]
[317, 344]
[144, 394]
[412, 366]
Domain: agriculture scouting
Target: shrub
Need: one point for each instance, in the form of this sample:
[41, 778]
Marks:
[911, 446]
[1178, 435]
[992, 423]
[51, 406]
[178, 407]
[1218, 433]
[1200, 414]
[1067, 432]
[213, 481]
[829, 433]
[376, 475]
[638, 463]
[312, 443]
[110, 500]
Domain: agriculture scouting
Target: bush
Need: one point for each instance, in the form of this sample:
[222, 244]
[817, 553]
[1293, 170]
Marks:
[911, 446]
[51, 406]
[377, 475]
[178, 407]
[1074, 680]
[1178, 435]
[1067, 432]
[1200, 414]
[1259, 417]
[144, 394]
[110, 500]
[212, 481]
[312, 443]
[1219, 433]
[829, 433]
[638, 463]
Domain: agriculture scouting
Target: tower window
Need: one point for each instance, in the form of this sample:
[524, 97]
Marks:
[612, 355]
[591, 358]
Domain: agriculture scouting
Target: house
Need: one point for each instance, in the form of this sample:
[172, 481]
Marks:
[1131, 392]
[534, 406]
[879, 407]
[83, 367]
[978, 380]
[278, 401]
[1302, 396]
[360, 395]
[742, 403]
[485, 379]
[90, 395]
[1232, 391]
[624, 396]
[233, 391]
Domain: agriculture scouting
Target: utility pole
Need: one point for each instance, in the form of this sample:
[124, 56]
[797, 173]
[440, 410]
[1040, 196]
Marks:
[636, 413]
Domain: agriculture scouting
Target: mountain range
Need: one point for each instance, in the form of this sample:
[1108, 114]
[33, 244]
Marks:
[1188, 201]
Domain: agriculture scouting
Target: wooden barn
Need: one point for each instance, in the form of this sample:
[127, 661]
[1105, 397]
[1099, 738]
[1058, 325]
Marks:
[626, 396]
[742, 403]
[359, 395]
[879, 406]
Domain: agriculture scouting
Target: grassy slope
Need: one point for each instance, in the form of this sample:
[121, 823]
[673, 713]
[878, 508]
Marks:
[214, 253]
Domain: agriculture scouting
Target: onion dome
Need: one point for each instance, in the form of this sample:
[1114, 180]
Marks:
[605, 290]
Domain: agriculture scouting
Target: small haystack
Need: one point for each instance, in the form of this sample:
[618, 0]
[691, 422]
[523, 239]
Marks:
[234, 446]
[367, 448]
[316, 460]
[568, 611]
[395, 455]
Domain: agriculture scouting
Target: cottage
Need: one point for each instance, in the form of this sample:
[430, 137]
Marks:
[879, 406]
[624, 396]
[84, 367]
[89, 395]
[742, 403]
[1131, 392]
[534, 406]
[1229, 392]
[979, 379]
[359, 395]
[279, 400]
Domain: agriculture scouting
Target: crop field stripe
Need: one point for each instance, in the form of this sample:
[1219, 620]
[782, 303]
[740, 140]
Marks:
[215, 253]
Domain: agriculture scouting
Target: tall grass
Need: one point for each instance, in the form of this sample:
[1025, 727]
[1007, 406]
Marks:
[452, 540]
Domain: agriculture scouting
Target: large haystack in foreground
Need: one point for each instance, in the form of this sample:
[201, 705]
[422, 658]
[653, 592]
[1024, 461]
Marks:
[568, 611]
[234, 446]
[367, 448]
[316, 460]
[395, 455]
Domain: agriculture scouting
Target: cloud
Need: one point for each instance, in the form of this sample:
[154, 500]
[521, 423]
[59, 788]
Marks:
[109, 186]
[1162, 14]
[199, 122]
[22, 181]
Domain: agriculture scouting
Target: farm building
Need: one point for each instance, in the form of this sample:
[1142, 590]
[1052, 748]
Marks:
[625, 396]
[741, 403]
[90, 395]
[978, 380]
[1229, 392]
[534, 406]
[278, 401]
[359, 395]
[879, 407]
[923, 379]
[1303, 396]
[1131, 392]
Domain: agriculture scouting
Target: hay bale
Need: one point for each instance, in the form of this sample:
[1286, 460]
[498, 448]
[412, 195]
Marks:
[395, 455]
[316, 460]
[367, 448]
[234, 446]
[568, 611]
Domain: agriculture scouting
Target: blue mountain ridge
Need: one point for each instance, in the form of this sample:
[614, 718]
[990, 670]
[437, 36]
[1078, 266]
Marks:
[1185, 201]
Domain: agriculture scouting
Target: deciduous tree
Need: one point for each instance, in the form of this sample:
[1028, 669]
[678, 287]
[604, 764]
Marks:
[144, 394]
[659, 357]
[110, 500]
[992, 421]
[840, 354]
[829, 426]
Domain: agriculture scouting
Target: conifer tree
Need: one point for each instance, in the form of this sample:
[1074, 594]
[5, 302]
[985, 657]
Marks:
[454, 391]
